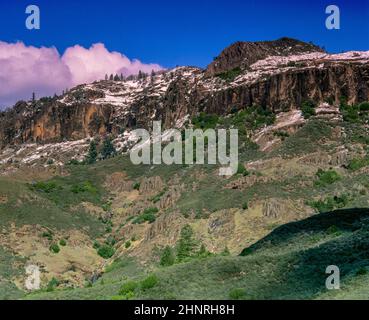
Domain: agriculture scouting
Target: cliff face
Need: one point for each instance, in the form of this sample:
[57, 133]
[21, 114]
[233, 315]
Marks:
[244, 54]
[277, 75]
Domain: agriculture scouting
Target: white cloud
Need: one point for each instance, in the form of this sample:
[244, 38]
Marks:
[26, 69]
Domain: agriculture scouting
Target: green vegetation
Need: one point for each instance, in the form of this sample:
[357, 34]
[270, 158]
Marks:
[51, 286]
[237, 294]
[205, 121]
[186, 244]
[108, 150]
[358, 163]
[357, 113]
[55, 248]
[63, 242]
[330, 203]
[168, 257]
[326, 177]
[308, 109]
[46, 187]
[150, 282]
[149, 215]
[251, 118]
[84, 187]
[106, 251]
[230, 75]
[92, 153]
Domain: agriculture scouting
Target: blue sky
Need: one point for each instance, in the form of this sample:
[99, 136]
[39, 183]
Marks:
[183, 32]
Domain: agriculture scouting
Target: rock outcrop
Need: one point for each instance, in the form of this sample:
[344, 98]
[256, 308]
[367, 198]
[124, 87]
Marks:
[278, 75]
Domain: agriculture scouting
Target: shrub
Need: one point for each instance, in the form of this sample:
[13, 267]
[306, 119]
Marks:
[242, 170]
[327, 177]
[136, 186]
[53, 283]
[96, 245]
[330, 203]
[106, 251]
[150, 282]
[237, 294]
[364, 106]
[128, 244]
[167, 258]
[48, 235]
[362, 271]
[333, 230]
[54, 248]
[308, 109]
[128, 287]
[356, 164]
[245, 206]
[46, 187]
[205, 121]
[230, 75]
[147, 216]
[83, 187]
[63, 242]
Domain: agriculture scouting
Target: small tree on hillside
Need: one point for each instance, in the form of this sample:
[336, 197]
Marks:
[186, 244]
[167, 258]
[92, 153]
[108, 150]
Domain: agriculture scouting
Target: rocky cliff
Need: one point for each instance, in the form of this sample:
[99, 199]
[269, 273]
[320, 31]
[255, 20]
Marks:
[278, 75]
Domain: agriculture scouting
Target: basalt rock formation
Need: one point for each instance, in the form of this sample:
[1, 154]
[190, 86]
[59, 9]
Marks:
[278, 75]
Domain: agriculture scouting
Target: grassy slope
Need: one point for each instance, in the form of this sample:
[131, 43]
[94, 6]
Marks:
[271, 271]
[289, 263]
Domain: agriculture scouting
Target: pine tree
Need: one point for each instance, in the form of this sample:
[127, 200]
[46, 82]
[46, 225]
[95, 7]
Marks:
[106, 77]
[111, 77]
[167, 258]
[92, 153]
[116, 78]
[121, 77]
[186, 244]
[33, 97]
[108, 150]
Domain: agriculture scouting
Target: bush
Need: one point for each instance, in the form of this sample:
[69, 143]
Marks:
[333, 230]
[54, 248]
[83, 187]
[167, 259]
[150, 282]
[205, 121]
[242, 170]
[308, 109]
[128, 244]
[230, 75]
[128, 287]
[106, 251]
[96, 245]
[356, 164]
[63, 242]
[330, 203]
[48, 235]
[136, 186]
[245, 206]
[53, 283]
[364, 106]
[147, 216]
[327, 177]
[46, 187]
[237, 294]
